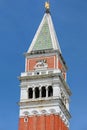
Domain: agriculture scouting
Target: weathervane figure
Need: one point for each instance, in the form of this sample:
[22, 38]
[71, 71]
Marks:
[47, 6]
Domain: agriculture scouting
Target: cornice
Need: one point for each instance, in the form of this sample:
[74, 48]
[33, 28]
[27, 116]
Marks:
[45, 103]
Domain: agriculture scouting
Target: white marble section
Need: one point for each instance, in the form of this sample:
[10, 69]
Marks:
[23, 95]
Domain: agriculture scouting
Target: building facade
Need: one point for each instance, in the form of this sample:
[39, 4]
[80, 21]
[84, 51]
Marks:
[44, 92]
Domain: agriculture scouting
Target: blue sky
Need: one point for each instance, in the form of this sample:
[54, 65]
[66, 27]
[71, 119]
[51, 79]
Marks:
[19, 20]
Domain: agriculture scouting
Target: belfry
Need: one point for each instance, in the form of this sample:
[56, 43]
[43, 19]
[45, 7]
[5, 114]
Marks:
[44, 92]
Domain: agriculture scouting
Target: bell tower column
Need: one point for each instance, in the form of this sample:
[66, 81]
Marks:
[44, 92]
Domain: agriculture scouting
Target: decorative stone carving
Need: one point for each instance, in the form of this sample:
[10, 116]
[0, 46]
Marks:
[41, 64]
[35, 112]
[26, 113]
[52, 111]
[43, 111]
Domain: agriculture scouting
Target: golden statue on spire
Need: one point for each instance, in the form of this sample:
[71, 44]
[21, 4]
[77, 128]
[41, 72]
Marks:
[47, 5]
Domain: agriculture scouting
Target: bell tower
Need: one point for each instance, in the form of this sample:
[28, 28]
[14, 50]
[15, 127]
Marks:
[44, 92]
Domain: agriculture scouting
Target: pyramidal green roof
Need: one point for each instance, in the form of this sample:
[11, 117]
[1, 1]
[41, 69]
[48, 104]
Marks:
[45, 37]
[43, 40]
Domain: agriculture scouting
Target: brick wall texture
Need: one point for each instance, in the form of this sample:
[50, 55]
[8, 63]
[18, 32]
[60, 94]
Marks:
[32, 62]
[49, 122]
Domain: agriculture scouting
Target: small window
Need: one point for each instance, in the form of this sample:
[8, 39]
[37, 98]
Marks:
[43, 92]
[50, 91]
[37, 73]
[37, 93]
[30, 93]
[25, 119]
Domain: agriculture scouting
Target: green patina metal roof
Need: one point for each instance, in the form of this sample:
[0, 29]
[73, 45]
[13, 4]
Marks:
[43, 40]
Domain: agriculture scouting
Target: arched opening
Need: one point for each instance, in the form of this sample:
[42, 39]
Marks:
[43, 91]
[37, 93]
[30, 93]
[50, 91]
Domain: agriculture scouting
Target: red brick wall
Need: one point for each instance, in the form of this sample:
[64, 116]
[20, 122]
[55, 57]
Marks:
[60, 66]
[51, 122]
[30, 64]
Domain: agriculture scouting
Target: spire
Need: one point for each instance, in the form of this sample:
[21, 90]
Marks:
[45, 37]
